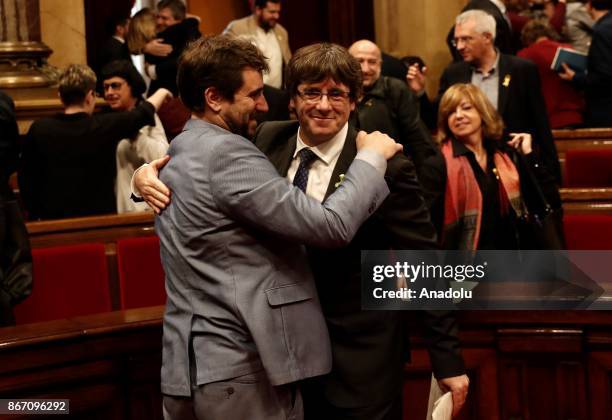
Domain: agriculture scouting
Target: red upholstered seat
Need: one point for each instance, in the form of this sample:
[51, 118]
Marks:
[68, 281]
[588, 168]
[588, 231]
[141, 276]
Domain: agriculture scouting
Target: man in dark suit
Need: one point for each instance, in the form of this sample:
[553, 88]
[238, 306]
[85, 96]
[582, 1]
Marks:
[512, 84]
[388, 106]
[497, 9]
[598, 80]
[115, 47]
[369, 348]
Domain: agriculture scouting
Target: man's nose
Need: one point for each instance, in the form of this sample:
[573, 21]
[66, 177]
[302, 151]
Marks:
[323, 103]
[261, 105]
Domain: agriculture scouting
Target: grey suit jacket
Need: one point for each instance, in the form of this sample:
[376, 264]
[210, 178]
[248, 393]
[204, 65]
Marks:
[241, 297]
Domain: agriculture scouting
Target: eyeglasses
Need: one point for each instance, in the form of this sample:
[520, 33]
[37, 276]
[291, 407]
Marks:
[464, 39]
[314, 96]
[113, 85]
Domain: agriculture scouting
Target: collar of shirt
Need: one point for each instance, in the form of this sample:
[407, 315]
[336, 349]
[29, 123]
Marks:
[493, 69]
[329, 151]
[118, 38]
[500, 5]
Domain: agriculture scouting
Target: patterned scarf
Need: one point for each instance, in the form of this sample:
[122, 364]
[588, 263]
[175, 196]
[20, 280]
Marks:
[463, 199]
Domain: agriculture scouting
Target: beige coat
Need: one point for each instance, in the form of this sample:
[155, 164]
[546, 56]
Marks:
[247, 27]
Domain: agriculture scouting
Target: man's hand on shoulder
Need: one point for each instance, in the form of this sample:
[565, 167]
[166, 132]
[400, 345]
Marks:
[379, 143]
[146, 182]
[458, 386]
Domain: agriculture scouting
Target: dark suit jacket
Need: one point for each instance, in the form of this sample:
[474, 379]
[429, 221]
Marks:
[520, 103]
[177, 35]
[598, 83]
[503, 40]
[113, 50]
[391, 108]
[368, 347]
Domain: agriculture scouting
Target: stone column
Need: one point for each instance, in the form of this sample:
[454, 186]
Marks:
[23, 57]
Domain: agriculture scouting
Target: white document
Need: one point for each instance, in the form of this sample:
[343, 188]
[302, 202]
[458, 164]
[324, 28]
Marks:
[440, 405]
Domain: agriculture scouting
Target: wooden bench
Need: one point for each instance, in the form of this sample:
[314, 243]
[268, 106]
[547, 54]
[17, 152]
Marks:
[587, 200]
[107, 229]
[582, 138]
[107, 365]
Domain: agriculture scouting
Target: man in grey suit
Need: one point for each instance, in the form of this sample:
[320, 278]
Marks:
[366, 379]
[243, 319]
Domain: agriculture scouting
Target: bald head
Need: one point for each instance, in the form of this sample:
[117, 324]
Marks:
[369, 57]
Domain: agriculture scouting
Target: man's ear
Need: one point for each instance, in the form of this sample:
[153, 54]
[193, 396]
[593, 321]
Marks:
[213, 99]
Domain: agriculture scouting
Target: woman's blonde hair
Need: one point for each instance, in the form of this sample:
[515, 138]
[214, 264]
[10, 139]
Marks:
[492, 123]
[142, 30]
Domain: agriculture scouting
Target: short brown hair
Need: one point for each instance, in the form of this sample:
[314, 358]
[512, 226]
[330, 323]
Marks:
[75, 82]
[317, 62]
[535, 29]
[177, 8]
[492, 123]
[216, 61]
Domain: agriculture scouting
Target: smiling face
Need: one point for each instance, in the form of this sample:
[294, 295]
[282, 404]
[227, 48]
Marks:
[322, 119]
[239, 114]
[118, 94]
[165, 18]
[369, 58]
[267, 17]
[465, 122]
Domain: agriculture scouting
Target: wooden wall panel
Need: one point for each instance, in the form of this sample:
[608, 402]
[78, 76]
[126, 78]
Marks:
[216, 15]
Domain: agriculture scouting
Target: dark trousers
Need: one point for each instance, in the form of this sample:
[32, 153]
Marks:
[318, 407]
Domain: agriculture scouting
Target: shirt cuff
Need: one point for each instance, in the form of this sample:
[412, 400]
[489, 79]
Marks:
[135, 193]
[151, 71]
[375, 159]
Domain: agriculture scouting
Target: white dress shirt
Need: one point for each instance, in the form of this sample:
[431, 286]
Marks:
[322, 168]
[268, 44]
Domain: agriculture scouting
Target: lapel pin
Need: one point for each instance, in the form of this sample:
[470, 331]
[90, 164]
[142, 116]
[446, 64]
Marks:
[337, 184]
[506, 80]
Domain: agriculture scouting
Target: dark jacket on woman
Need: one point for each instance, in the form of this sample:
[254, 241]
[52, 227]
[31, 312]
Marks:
[506, 233]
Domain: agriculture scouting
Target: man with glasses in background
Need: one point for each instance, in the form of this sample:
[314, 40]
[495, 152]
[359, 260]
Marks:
[512, 84]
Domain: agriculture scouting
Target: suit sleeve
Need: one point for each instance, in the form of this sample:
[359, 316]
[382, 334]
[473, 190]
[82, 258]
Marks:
[29, 166]
[543, 136]
[407, 218]
[414, 136]
[246, 186]
[119, 125]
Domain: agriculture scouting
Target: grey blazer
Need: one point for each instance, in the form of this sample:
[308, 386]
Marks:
[241, 296]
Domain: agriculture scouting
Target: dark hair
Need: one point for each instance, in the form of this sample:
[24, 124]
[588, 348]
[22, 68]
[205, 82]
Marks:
[317, 62]
[601, 4]
[114, 21]
[75, 82]
[127, 71]
[216, 61]
[177, 7]
[263, 3]
[537, 28]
